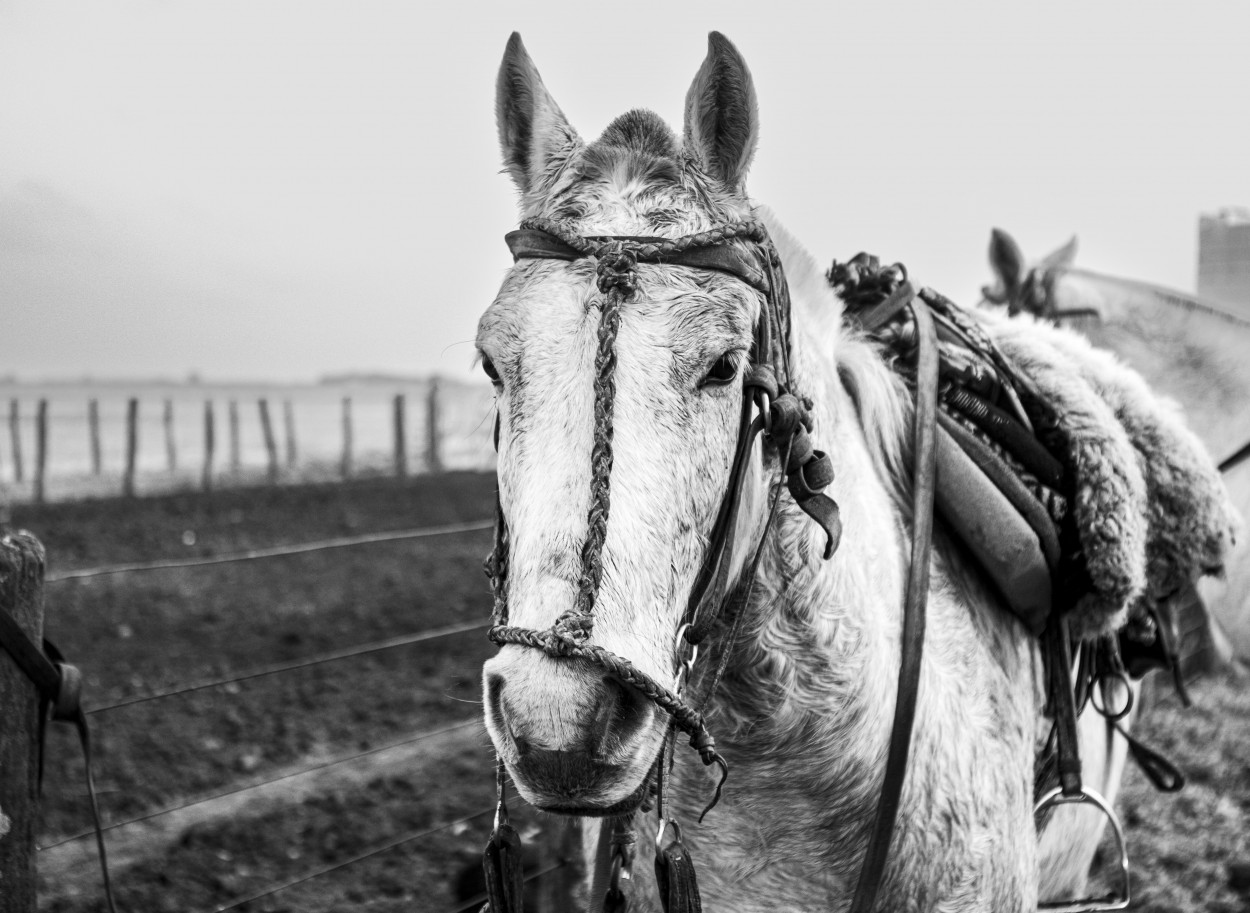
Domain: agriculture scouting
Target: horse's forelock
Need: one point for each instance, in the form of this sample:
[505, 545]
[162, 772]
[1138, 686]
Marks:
[637, 174]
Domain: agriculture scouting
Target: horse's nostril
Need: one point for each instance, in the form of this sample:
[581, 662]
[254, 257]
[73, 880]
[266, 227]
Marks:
[621, 713]
[496, 707]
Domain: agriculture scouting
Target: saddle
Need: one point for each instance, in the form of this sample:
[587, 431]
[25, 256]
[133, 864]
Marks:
[1075, 489]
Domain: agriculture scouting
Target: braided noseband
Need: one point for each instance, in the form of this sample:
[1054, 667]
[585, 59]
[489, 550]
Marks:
[781, 414]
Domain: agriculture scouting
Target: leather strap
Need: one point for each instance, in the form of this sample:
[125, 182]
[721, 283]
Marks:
[29, 658]
[914, 604]
[1062, 703]
[529, 243]
[60, 689]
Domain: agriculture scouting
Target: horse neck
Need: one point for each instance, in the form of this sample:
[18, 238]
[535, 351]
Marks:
[817, 627]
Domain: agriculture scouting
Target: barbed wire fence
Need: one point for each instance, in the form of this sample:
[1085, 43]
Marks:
[557, 858]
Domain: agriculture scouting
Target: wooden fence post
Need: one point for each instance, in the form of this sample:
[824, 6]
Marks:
[15, 436]
[401, 443]
[41, 449]
[347, 437]
[93, 426]
[433, 456]
[21, 596]
[235, 458]
[288, 421]
[271, 446]
[171, 448]
[132, 446]
[210, 444]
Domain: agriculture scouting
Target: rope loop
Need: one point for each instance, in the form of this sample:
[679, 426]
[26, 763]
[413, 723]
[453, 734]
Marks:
[617, 268]
[569, 634]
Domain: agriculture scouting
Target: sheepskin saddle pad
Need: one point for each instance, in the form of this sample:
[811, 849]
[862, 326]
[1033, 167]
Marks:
[1076, 489]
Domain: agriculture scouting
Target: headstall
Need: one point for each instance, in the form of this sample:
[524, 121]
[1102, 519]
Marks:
[770, 405]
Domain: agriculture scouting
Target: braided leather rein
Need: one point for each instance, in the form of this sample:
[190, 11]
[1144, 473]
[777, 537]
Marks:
[782, 415]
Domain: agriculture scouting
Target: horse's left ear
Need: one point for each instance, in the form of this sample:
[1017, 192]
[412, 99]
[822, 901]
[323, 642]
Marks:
[1007, 262]
[534, 135]
[1060, 259]
[722, 115]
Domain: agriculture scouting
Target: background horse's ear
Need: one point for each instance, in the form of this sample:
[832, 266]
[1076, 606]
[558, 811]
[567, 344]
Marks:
[722, 116]
[1007, 262]
[534, 134]
[1061, 258]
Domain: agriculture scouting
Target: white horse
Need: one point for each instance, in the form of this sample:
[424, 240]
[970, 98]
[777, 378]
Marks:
[804, 712]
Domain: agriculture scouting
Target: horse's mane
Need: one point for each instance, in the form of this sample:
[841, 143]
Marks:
[880, 399]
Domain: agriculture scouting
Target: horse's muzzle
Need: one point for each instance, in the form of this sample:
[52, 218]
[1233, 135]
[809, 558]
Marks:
[574, 741]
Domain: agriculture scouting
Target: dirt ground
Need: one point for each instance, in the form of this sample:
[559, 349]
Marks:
[135, 633]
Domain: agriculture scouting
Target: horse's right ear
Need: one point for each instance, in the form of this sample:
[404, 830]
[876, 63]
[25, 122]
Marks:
[722, 114]
[1007, 262]
[534, 135]
[1061, 258]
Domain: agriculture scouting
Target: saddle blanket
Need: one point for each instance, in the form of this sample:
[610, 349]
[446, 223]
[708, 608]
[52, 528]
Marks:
[1077, 489]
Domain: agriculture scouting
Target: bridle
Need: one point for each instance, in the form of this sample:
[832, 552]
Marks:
[771, 405]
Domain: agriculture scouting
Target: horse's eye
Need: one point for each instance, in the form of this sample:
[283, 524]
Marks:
[723, 370]
[489, 367]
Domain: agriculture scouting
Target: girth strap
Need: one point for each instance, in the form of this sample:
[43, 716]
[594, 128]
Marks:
[924, 429]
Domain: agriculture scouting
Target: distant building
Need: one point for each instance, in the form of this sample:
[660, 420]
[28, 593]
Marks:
[1224, 258]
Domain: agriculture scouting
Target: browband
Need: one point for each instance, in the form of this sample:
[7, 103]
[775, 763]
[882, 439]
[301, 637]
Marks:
[528, 243]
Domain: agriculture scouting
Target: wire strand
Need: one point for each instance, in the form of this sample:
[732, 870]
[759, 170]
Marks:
[274, 552]
[360, 857]
[475, 902]
[332, 656]
[259, 783]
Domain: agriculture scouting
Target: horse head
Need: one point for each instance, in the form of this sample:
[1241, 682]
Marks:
[1034, 289]
[613, 512]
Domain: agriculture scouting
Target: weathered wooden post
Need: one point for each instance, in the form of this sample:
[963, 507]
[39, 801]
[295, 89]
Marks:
[271, 446]
[41, 449]
[235, 458]
[132, 446]
[210, 444]
[433, 453]
[171, 449]
[288, 421]
[401, 441]
[15, 437]
[93, 426]
[21, 598]
[347, 437]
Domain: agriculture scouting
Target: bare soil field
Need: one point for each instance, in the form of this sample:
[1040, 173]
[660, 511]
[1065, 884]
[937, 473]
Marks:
[133, 634]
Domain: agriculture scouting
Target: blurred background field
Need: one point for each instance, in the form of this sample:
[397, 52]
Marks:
[337, 428]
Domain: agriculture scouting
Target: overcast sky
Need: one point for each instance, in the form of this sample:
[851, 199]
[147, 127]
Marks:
[280, 190]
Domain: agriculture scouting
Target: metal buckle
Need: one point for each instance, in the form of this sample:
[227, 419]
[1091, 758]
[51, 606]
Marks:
[621, 873]
[765, 404]
[659, 834]
[1113, 901]
[685, 666]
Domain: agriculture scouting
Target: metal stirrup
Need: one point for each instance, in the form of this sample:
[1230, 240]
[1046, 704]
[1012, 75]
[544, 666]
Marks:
[1118, 900]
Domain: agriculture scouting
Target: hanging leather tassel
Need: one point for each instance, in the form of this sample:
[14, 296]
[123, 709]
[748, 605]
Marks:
[674, 874]
[501, 862]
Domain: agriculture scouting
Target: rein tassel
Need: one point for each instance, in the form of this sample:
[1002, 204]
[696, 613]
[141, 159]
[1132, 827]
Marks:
[501, 862]
[674, 874]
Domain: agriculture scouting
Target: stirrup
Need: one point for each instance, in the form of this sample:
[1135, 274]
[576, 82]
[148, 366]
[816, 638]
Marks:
[1113, 901]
